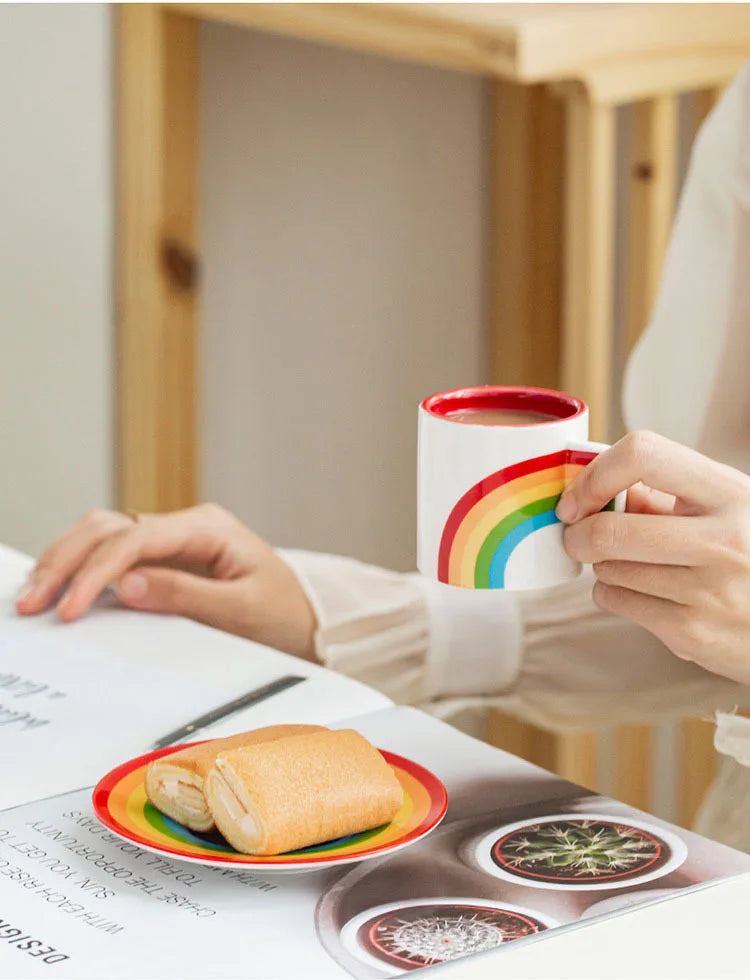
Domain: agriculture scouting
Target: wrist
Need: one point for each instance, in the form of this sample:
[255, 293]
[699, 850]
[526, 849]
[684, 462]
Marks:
[298, 621]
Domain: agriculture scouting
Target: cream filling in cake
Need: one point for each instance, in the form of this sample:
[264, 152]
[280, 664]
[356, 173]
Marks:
[232, 817]
[178, 793]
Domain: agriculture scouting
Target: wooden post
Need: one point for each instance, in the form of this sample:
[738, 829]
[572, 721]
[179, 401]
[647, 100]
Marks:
[589, 256]
[527, 177]
[526, 235]
[651, 195]
[157, 68]
[521, 739]
[652, 185]
[703, 103]
[633, 764]
[697, 766]
[574, 757]
[578, 759]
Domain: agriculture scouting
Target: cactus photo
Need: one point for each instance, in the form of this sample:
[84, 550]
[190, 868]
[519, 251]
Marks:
[579, 850]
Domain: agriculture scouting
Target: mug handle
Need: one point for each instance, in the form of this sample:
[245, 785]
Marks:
[581, 454]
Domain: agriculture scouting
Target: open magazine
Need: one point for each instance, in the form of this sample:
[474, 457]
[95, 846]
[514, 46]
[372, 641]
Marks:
[519, 853]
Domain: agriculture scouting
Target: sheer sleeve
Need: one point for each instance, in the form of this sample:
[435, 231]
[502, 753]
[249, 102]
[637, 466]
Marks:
[415, 640]
[725, 813]
[457, 652]
[551, 658]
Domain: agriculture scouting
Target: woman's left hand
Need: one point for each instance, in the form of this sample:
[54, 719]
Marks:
[678, 562]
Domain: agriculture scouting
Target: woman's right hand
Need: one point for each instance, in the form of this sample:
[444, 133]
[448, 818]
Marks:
[678, 563]
[202, 563]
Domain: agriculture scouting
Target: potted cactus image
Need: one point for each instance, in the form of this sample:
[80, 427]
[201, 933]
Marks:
[580, 851]
[407, 935]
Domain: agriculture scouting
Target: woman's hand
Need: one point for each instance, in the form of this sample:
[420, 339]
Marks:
[678, 563]
[201, 562]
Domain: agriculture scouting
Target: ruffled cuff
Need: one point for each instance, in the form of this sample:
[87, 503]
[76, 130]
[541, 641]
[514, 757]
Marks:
[372, 624]
[732, 737]
[412, 639]
[475, 639]
[723, 815]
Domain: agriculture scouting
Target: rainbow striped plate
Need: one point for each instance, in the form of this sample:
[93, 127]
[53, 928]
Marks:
[120, 803]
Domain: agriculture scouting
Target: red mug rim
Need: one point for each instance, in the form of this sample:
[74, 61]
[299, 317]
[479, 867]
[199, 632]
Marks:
[516, 397]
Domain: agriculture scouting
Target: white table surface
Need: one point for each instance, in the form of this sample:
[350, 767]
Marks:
[701, 934]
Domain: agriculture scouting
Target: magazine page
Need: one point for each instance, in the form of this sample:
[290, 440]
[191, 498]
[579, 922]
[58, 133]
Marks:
[77, 698]
[519, 853]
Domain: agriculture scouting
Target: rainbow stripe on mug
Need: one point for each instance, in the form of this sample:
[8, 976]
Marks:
[493, 517]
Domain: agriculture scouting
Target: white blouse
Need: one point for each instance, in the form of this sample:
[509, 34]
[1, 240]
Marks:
[553, 658]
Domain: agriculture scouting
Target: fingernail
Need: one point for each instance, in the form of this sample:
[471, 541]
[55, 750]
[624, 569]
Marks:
[566, 509]
[30, 583]
[64, 599]
[132, 587]
[25, 591]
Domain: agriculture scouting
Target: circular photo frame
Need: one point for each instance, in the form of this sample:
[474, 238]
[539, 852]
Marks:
[579, 851]
[410, 934]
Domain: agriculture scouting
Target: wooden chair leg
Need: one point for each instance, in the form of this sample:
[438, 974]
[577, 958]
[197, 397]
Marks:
[589, 256]
[157, 68]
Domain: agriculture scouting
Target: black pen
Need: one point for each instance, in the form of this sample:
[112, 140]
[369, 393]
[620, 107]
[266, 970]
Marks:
[252, 697]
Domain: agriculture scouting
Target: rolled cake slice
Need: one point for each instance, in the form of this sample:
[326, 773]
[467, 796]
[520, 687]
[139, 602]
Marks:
[175, 783]
[293, 792]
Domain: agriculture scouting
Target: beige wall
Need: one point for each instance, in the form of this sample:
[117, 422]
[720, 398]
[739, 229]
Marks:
[55, 268]
[344, 278]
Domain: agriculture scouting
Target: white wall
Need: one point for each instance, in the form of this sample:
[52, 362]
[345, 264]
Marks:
[342, 204]
[343, 247]
[55, 268]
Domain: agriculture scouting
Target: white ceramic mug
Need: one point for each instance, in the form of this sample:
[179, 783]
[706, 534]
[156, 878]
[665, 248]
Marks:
[487, 492]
